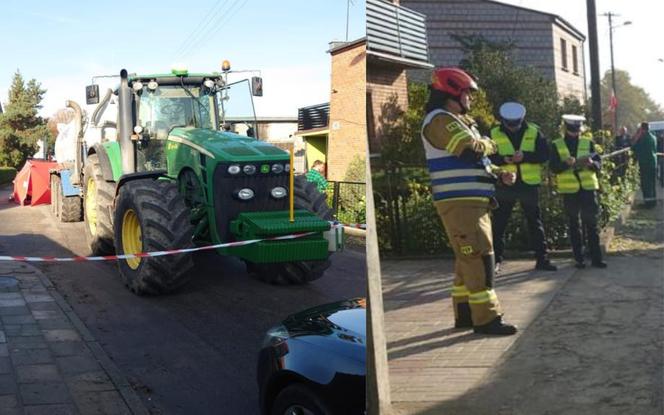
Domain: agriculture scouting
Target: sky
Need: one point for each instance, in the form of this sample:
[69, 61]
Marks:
[637, 48]
[64, 44]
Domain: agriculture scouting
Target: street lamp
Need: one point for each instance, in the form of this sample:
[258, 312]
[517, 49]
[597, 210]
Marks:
[613, 70]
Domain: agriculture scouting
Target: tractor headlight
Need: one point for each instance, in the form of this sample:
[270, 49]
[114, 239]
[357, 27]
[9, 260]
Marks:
[287, 168]
[209, 83]
[234, 169]
[277, 168]
[279, 192]
[138, 129]
[137, 86]
[249, 169]
[152, 85]
[245, 194]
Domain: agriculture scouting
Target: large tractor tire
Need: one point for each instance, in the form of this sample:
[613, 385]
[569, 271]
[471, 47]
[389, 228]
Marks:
[97, 201]
[150, 215]
[307, 197]
[71, 209]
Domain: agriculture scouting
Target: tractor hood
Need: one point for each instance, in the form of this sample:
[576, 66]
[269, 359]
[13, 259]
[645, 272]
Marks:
[226, 146]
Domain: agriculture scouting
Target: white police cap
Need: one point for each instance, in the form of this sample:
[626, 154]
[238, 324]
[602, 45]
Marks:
[512, 111]
[573, 119]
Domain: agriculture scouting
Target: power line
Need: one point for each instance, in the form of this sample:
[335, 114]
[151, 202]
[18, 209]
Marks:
[219, 22]
[213, 13]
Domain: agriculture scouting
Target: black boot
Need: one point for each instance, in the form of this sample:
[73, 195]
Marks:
[545, 265]
[580, 265]
[463, 320]
[496, 327]
[599, 264]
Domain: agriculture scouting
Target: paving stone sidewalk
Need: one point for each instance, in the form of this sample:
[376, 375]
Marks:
[49, 361]
[430, 361]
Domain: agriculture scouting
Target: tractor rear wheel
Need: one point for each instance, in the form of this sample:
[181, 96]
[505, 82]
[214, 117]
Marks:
[55, 186]
[71, 209]
[306, 197]
[150, 215]
[97, 201]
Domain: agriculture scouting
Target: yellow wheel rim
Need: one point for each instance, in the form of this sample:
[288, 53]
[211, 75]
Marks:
[131, 237]
[91, 205]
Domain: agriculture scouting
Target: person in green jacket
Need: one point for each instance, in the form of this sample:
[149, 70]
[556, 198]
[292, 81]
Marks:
[644, 145]
[316, 175]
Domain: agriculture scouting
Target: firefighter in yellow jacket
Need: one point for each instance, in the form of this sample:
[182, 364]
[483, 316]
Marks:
[463, 184]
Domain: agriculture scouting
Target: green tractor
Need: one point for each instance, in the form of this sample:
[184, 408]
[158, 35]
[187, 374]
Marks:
[178, 177]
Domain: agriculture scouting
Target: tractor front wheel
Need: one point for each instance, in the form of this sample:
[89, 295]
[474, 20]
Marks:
[150, 215]
[306, 197]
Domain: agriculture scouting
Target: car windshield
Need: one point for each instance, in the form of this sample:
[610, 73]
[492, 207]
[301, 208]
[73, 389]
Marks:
[174, 106]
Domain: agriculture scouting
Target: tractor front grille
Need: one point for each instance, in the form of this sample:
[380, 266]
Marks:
[227, 206]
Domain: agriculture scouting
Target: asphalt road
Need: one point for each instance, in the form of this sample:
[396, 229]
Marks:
[190, 352]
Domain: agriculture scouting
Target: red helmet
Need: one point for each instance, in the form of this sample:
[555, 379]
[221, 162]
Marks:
[452, 81]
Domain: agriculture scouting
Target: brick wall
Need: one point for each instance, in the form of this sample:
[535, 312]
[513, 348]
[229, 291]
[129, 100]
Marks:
[348, 124]
[531, 32]
[387, 94]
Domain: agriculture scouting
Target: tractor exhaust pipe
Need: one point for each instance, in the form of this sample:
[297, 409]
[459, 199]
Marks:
[125, 125]
[76, 177]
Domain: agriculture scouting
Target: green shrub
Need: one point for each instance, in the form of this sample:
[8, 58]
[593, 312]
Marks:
[7, 174]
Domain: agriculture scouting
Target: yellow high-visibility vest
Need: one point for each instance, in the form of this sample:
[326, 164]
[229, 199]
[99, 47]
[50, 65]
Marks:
[531, 173]
[567, 181]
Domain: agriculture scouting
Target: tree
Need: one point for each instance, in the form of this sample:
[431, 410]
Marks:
[634, 104]
[20, 126]
[503, 80]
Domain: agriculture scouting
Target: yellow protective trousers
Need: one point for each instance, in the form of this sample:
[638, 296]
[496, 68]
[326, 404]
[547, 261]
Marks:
[468, 227]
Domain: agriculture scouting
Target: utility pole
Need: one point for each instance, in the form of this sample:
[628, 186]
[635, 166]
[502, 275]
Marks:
[594, 65]
[613, 74]
[611, 15]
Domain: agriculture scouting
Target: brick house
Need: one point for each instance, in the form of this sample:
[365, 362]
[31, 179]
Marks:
[396, 42]
[336, 132]
[542, 40]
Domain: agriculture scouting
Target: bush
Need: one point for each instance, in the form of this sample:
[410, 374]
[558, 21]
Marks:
[7, 174]
[409, 224]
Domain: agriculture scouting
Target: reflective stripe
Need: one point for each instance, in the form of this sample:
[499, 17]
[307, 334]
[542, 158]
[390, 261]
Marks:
[450, 187]
[435, 175]
[460, 291]
[482, 297]
[456, 139]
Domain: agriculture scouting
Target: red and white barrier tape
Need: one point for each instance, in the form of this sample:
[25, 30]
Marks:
[148, 254]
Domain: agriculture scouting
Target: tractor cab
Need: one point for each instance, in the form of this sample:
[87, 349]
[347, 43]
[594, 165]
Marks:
[162, 103]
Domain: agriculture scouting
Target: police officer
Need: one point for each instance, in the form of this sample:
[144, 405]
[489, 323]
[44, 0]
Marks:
[522, 150]
[575, 163]
[463, 188]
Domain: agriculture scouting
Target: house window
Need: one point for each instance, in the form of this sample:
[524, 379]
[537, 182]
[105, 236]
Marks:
[575, 61]
[563, 52]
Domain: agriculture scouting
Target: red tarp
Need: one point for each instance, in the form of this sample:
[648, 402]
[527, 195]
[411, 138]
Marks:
[32, 183]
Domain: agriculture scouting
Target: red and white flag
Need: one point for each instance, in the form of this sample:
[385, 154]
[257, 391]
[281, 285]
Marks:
[613, 102]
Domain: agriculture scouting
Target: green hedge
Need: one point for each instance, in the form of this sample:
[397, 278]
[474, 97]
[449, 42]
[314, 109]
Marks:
[408, 224]
[7, 174]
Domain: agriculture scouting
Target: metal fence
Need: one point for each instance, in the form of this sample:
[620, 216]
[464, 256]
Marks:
[348, 201]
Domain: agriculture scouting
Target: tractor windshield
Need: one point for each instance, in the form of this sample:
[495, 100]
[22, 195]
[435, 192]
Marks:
[173, 106]
[236, 107]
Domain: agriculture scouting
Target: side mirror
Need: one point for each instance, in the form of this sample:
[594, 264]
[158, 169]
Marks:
[92, 94]
[257, 86]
